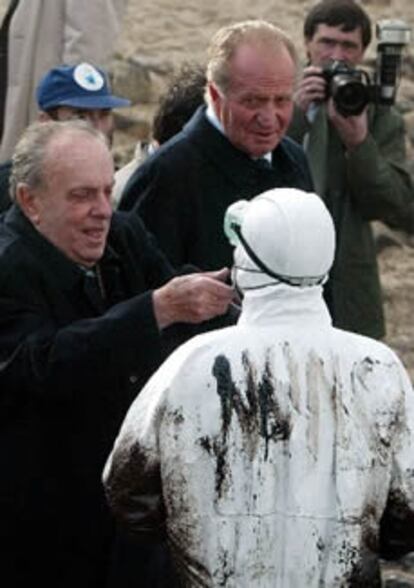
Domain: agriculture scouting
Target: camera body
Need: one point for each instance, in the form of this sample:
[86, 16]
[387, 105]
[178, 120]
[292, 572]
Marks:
[352, 89]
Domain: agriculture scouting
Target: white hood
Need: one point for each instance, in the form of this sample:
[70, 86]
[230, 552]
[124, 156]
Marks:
[291, 233]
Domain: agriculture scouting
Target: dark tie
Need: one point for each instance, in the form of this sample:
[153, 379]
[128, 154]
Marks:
[92, 290]
[263, 163]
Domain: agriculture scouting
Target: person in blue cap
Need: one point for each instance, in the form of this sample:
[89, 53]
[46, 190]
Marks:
[36, 36]
[67, 92]
[80, 91]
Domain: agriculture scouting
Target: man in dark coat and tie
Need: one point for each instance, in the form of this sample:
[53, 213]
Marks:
[234, 147]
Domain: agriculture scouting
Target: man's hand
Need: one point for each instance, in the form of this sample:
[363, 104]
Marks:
[352, 130]
[311, 88]
[192, 298]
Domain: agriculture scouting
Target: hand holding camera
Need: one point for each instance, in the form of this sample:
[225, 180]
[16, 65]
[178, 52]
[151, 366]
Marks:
[352, 129]
[311, 88]
[317, 86]
[352, 89]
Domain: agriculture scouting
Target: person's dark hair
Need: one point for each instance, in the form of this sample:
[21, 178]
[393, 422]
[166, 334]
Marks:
[53, 113]
[346, 14]
[183, 96]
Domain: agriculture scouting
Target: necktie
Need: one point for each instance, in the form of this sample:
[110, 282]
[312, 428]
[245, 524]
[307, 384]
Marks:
[263, 163]
[92, 289]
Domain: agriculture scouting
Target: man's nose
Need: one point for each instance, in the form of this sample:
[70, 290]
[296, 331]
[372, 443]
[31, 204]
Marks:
[98, 121]
[267, 113]
[339, 52]
[103, 206]
[101, 124]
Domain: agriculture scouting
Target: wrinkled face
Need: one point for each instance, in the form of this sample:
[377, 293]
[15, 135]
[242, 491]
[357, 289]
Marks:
[101, 119]
[73, 209]
[257, 107]
[331, 43]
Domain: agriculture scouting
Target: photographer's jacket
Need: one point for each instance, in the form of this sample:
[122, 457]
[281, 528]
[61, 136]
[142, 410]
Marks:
[274, 447]
[371, 183]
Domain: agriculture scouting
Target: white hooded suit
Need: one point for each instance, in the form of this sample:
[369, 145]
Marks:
[270, 451]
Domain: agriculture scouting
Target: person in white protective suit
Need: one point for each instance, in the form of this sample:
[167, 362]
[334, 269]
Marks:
[278, 453]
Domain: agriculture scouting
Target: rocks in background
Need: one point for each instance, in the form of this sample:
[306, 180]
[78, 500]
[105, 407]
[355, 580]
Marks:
[142, 80]
[385, 237]
[139, 79]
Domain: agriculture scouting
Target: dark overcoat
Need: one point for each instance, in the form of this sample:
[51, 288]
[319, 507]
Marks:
[72, 358]
[183, 190]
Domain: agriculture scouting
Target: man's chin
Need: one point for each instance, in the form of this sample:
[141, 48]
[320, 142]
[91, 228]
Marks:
[262, 147]
[92, 257]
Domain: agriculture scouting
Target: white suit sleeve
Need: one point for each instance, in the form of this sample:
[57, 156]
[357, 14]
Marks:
[132, 473]
[397, 525]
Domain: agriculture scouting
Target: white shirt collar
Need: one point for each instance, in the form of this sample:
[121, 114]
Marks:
[213, 119]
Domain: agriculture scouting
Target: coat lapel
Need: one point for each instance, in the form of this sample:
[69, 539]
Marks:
[316, 148]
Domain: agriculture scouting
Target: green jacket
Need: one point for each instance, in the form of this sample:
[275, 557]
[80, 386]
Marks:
[371, 183]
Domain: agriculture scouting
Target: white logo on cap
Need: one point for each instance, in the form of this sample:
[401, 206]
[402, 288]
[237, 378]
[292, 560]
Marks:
[88, 77]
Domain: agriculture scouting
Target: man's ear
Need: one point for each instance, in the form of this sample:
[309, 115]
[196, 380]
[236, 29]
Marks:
[213, 92]
[28, 202]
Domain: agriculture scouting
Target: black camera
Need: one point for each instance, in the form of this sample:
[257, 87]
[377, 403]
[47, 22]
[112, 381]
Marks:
[352, 89]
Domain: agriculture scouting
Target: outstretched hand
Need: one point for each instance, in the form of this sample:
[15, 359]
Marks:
[192, 298]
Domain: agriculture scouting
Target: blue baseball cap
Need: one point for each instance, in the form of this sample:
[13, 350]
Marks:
[78, 86]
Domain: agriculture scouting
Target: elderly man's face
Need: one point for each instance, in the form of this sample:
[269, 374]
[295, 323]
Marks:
[73, 209]
[257, 108]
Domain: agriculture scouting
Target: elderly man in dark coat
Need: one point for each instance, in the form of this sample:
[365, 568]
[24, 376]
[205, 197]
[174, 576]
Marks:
[87, 304]
[233, 148]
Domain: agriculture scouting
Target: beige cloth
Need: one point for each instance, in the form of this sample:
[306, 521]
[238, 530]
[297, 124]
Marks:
[46, 33]
[124, 173]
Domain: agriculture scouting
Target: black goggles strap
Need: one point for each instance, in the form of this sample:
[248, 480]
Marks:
[262, 266]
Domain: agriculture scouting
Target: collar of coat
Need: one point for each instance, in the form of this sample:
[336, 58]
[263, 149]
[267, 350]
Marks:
[64, 270]
[236, 165]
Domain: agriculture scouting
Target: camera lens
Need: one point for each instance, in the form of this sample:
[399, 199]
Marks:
[350, 96]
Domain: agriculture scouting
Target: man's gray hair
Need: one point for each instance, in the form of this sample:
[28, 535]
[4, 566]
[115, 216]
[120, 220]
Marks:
[31, 150]
[253, 32]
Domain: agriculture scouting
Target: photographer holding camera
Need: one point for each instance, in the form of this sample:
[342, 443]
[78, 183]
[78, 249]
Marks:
[355, 143]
